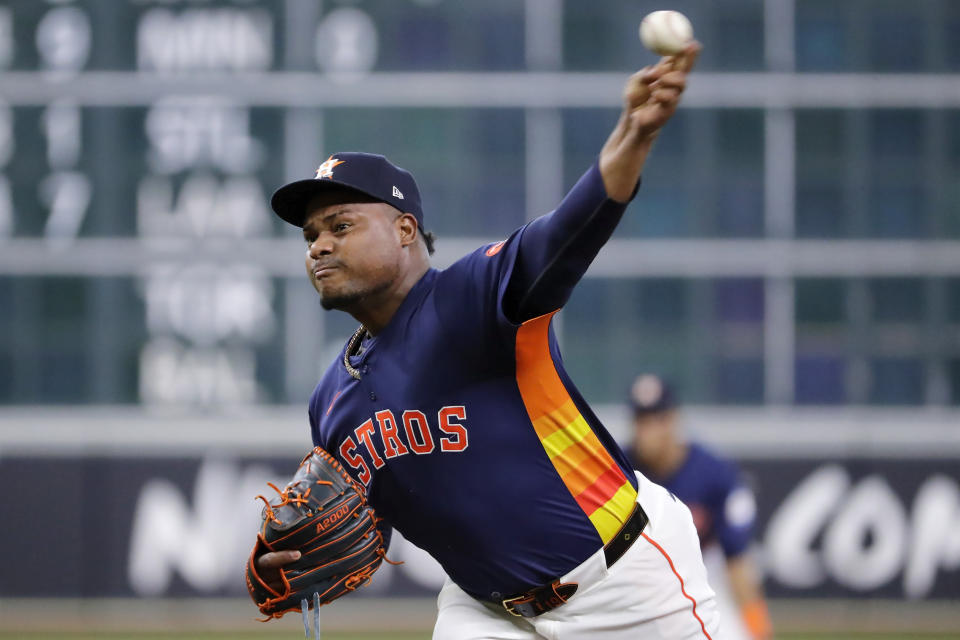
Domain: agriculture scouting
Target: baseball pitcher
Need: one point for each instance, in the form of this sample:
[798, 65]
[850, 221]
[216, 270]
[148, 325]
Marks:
[450, 408]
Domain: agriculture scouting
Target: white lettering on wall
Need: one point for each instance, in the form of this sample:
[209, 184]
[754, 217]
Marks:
[6, 152]
[935, 539]
[204, 207]
[6, 133]
[860, 535]
[208, 304]
[6, 208]
[63, 39]
[871, 512]
[60, 124]
[346, 42]
[796, 523]
[187, 133]
[67, 194]
[221, 39]
[172, 373]
[205, 541]
[6, 37]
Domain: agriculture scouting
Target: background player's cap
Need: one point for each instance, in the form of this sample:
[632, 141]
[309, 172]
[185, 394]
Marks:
[367, 173]
[650, 394]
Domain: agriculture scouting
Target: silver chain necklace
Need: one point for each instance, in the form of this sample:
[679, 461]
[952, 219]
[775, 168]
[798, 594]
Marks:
[352, 347]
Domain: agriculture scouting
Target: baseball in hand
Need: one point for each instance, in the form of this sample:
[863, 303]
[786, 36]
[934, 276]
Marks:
[666, 33]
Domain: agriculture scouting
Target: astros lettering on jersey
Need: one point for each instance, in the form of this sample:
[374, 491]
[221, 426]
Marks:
[459, 400]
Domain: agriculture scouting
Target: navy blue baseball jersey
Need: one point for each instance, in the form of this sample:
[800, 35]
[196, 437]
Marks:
[722, 505]
[467, 432]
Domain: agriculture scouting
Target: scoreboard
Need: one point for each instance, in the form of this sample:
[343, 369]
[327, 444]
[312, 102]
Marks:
[139, 144]
[187, 168]
[140, 141]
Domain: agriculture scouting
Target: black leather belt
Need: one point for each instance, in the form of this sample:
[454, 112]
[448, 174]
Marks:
[550, 596]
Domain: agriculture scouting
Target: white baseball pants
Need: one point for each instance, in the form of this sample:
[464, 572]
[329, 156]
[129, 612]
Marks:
[716, 564]
[657, 591]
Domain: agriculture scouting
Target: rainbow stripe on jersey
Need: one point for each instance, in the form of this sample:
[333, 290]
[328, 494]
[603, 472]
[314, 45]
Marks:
[594, 480]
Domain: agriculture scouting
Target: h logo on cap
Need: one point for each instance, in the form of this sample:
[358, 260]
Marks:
[365, 173]
[325, 170]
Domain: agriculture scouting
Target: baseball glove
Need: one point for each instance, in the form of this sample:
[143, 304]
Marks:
[323, 513]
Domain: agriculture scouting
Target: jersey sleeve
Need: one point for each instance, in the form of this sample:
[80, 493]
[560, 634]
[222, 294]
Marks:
[735, 514]
[555, 250]
[534, 270]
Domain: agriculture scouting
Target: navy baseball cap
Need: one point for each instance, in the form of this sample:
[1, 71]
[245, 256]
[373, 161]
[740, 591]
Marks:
[368, 173]
[650, 394]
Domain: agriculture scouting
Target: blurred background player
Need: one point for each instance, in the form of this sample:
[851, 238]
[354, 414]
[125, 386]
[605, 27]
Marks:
[721, 503]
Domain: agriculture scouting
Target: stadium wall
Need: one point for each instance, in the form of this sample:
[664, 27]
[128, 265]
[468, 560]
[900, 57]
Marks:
[852, 503]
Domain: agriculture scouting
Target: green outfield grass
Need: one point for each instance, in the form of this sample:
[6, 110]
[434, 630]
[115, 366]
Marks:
[868, 636]
[405, 636]
[186, 635]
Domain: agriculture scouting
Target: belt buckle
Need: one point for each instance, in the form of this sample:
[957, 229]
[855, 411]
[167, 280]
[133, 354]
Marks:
[508, 605]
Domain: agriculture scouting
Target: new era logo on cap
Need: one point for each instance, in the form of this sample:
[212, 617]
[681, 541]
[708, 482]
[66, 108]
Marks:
[366, 173]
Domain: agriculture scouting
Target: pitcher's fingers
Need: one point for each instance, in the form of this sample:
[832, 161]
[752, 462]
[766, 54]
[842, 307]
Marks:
[637, 90]
[672, 80]
[667, 97]
[651, 74]
[685, 60]
[667, 62]
[277, 559]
